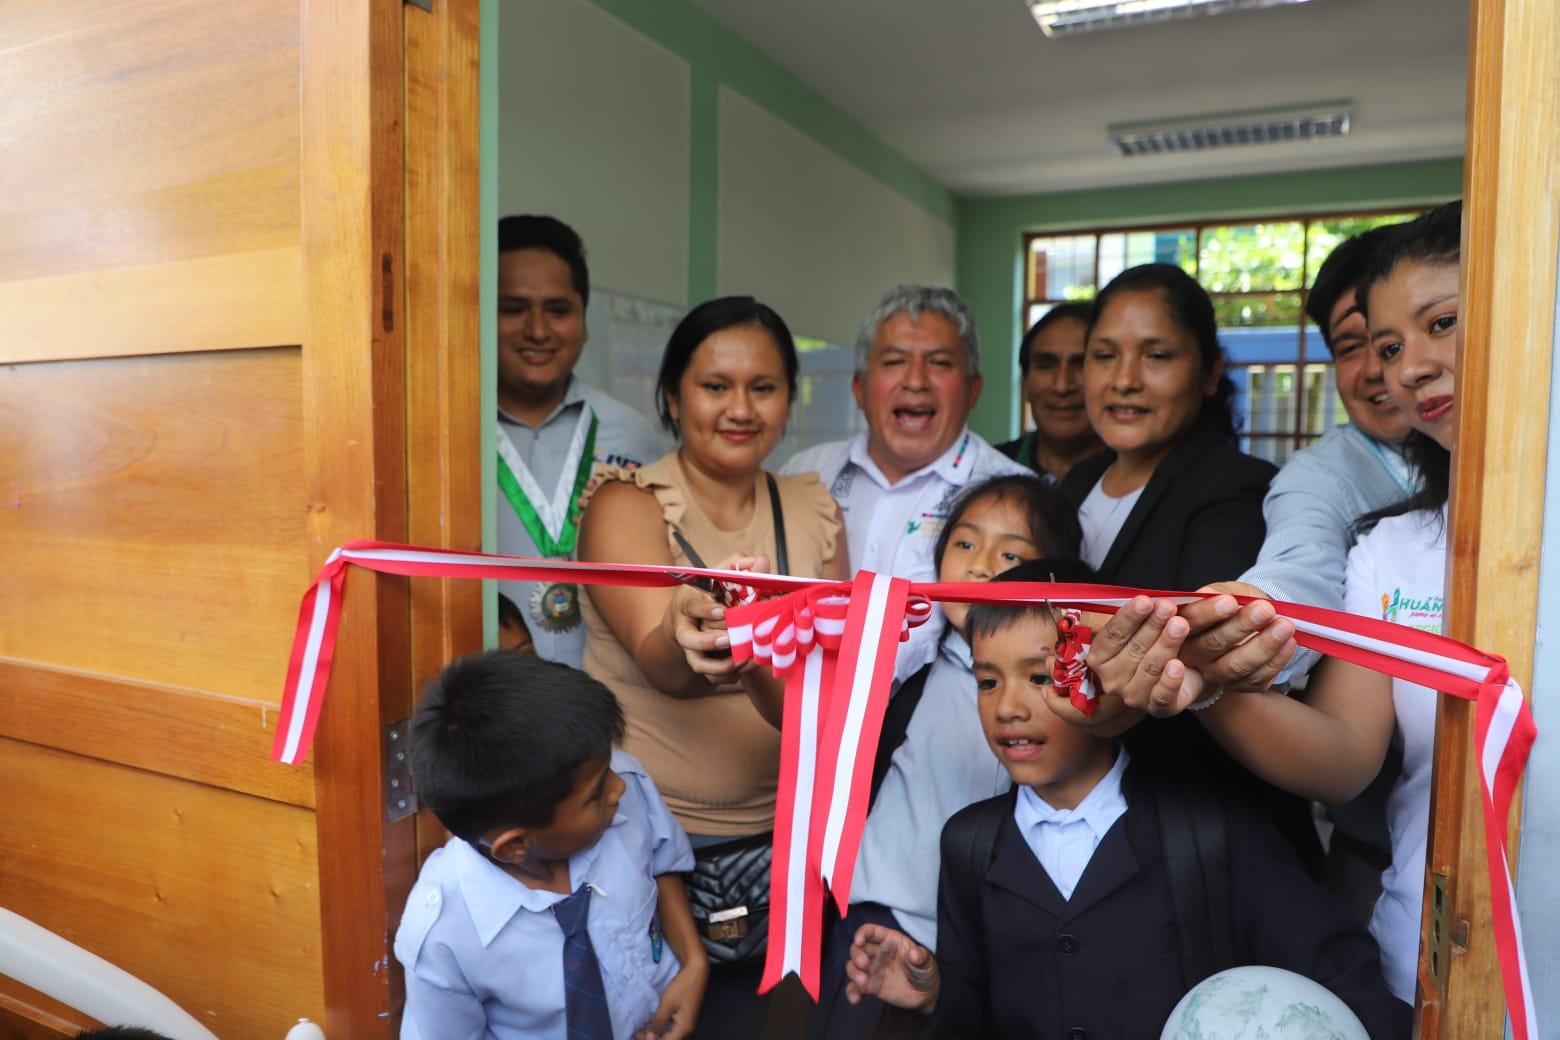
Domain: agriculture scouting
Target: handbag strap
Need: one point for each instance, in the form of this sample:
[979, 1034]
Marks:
[782, 559]
[782, 562]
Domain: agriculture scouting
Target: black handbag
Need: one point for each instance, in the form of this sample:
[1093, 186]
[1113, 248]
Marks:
[728, 889]
[728, 892]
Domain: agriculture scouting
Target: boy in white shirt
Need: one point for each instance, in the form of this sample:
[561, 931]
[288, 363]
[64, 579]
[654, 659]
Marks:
[557, 908]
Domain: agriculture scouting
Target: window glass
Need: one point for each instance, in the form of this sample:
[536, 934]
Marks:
[1257, 274]
[1252, 257]
[1061, 267]
[1120, 250]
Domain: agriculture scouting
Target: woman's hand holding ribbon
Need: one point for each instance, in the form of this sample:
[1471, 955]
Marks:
[697, 622]
[1238, 647]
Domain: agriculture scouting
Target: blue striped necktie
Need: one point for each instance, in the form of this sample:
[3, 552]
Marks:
[585, 998]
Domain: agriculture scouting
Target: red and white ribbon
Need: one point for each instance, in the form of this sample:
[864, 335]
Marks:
[319, 615]
[830, 641]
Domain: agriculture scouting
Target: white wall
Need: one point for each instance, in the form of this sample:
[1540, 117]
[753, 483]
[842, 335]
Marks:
[594, 130]
[811, 234]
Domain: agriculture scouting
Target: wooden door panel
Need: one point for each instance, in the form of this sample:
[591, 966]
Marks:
[210, 894]
[192, 734]
[214, 365]
[155, 517]
[231, 302]
[135, 97]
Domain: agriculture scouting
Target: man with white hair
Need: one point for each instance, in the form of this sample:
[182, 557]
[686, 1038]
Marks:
[917, 377]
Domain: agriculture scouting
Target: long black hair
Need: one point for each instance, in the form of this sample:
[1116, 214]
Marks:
[1187, 304]
[1432, 238]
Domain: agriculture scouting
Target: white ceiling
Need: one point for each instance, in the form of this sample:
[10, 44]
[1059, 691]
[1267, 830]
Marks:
[976, 95]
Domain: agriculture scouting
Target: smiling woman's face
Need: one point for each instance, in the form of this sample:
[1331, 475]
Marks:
[1414, 330]
[1143, 378]
[732, 401]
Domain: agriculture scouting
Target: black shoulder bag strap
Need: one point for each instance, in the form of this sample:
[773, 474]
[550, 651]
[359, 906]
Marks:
[782, 562]
[1195, 830]
[782, 558]
[896, 722]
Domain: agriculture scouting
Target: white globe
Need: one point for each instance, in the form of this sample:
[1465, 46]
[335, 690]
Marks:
[1260, 1003]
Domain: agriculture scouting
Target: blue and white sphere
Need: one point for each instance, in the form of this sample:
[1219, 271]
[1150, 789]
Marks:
[1261, 1003]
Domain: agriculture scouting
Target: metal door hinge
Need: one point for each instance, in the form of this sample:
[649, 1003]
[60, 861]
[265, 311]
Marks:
[399, 799]
[426, 5]
[1440, 932]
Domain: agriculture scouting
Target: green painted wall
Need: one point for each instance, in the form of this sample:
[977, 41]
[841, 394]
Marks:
[990, 239]
[716, 57]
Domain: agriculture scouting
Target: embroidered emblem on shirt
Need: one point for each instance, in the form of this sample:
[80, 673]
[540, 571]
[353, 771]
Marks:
[840, 489]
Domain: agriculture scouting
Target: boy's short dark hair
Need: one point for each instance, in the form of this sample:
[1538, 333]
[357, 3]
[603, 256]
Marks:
[120, 1033]
[498, 739]
[1053, 520]
[530, 231]
[987, 619]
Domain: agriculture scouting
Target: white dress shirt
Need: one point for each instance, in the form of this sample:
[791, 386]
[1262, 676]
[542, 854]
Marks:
[1064, 840]
[892, 528]
[484, 955]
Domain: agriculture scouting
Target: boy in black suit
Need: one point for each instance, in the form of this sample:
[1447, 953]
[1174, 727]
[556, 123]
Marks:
[1089, 899]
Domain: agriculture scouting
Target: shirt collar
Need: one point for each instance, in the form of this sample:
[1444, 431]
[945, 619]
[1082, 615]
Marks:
[954, 465]
[1099, 810]
[493, 897]
[572, 395]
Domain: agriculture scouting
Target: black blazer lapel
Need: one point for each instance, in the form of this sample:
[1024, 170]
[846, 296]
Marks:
[1181, 459]
[1015, 869]
[1132, 845]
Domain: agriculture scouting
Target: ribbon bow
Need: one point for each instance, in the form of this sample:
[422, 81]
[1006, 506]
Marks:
[1069, 669]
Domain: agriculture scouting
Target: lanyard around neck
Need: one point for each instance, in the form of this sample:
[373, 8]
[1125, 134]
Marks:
[552, 522]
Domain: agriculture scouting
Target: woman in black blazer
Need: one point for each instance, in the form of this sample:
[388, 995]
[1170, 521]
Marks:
[1172, 505]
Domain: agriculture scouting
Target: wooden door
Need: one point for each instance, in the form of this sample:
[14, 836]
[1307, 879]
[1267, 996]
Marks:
[1511, 227]
[237, 327]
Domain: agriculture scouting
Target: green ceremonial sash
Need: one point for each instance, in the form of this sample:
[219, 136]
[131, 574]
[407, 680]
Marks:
[552, 523]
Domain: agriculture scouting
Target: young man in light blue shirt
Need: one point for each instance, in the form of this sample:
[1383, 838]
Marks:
[514, 755]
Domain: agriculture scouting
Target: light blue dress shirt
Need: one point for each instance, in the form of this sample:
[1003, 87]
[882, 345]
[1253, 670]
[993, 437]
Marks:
[943, 765]
[1310, 511]
[1064, 840]
[484, 955]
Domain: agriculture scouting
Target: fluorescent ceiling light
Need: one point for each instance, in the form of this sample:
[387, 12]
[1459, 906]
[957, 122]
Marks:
[1227, 129]
[1065, 17]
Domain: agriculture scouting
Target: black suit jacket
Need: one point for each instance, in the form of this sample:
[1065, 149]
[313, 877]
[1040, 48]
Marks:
[1106, 964]
[1199, 519]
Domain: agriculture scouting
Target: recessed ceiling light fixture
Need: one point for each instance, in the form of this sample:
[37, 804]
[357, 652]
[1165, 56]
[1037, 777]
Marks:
[1066, 17]
[1227, 129]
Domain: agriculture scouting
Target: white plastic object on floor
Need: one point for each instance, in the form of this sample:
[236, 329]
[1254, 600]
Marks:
[50, 964]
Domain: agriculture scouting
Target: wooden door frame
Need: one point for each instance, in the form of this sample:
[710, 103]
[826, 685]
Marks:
[1511, 227]
[390, 205]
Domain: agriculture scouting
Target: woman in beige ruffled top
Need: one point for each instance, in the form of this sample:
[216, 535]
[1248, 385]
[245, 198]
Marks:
[725, 390]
